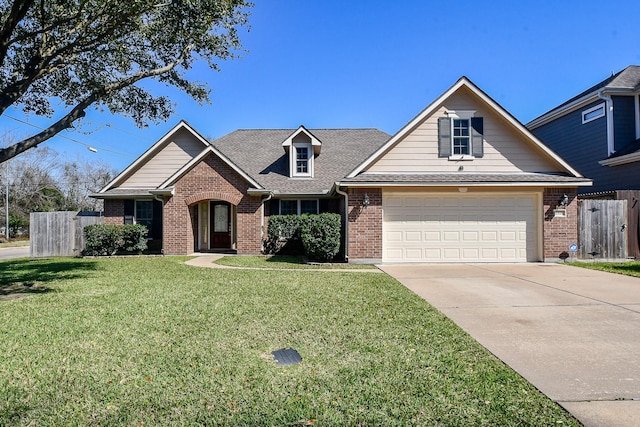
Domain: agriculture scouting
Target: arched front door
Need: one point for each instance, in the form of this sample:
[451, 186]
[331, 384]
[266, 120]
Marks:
[215, 225]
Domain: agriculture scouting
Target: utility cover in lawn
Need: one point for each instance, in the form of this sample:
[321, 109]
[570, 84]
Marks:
[286, 357]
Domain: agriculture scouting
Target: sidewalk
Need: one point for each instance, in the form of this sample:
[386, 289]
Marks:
[208, 262]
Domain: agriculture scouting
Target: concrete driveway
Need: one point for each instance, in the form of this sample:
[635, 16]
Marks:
[573, 333]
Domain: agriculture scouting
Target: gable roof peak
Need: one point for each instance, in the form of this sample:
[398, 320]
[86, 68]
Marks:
[480, 94]
[315, 142]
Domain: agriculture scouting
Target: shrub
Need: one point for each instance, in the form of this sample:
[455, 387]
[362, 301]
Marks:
[108, 239]
[283, 234]
[134, 238]
[320, 235]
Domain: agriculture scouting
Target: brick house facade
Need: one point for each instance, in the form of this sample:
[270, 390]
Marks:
[235, 183]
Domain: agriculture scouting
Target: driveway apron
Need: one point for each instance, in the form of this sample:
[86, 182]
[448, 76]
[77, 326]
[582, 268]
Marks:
[573, 333]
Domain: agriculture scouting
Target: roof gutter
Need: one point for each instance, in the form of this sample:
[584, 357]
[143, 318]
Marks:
[558, 112]
[629, 158]
[610, 135]
[374, 184]
[346, 220]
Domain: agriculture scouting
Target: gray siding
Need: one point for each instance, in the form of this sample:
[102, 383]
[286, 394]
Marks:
[624, 121]
[582, 145]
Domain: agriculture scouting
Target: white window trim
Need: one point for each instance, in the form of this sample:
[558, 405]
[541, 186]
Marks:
[294, 159]
[299, 205]
[591, 110]
[461, 115]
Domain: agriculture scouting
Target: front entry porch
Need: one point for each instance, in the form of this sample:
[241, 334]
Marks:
[216, 224]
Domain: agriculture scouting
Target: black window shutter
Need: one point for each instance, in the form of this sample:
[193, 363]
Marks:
[129, 210]
[477, 132]
[444, 136]
[323, 205]
[156, 224]
[274, 207]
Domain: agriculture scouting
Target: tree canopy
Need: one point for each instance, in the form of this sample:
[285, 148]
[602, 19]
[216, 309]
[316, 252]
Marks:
[74, 54]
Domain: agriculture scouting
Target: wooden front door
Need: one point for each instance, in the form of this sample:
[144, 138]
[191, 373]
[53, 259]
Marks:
[220, 229]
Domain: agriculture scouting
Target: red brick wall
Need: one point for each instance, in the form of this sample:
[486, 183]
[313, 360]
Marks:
[113, 211]
[211, 178]
[559, 233]
[365, 224]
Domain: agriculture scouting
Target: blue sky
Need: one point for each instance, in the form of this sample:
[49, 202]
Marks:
[371, 63]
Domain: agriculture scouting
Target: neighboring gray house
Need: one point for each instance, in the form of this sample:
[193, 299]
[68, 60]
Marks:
[598, 133]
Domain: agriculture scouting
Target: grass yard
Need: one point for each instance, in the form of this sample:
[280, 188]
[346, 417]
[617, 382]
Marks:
[285, 262]
[151, 341]
[630, 268]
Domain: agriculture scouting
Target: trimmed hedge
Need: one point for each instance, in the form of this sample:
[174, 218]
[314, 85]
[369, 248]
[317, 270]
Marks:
[318, 236]
[109, 239]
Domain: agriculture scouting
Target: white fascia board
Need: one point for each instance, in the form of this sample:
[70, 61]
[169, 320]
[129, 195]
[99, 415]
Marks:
[151, 151]
[628, 158]
[463, 81]
[578, 103]
[315, 142]
[406, 129]
[210, 149]
[464, 184]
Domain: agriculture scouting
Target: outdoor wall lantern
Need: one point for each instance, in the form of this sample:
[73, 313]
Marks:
[365, 200]
[564, 201]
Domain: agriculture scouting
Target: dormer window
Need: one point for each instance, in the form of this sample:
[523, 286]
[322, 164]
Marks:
[302, 147]
[302, 159]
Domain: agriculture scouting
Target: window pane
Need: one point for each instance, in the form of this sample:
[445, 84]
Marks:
[302, 159]
[301, 166]
[144, 213]
[220, 219]
[461, 138]
[288, 207]
[308, 206]
[594, 114]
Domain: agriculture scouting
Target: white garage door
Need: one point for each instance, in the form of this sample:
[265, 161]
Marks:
[470, 227]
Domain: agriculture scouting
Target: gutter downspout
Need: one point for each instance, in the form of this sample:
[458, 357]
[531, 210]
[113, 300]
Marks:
[346, 220]
[610, 135]
[269, 197]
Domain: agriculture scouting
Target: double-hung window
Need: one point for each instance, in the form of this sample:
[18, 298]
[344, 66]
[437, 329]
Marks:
[302, 160]
[460, 136]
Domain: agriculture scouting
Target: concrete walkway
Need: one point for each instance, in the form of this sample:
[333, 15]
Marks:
[208, 261]
[573, 333]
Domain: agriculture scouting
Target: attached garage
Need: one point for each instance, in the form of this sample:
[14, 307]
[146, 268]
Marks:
[461, 227]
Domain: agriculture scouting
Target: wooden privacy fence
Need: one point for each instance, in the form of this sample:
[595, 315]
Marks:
[59, 233]
[602, 229]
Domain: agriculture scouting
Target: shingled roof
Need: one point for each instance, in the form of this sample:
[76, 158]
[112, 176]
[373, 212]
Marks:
[259, 153]
[622, 81]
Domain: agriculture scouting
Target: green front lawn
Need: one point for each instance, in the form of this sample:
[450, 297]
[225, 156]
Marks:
[630, 268]
[151, 341]
[285, 262]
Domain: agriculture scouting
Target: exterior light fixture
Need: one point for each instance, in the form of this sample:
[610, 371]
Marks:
[564, 201]
[365, 200]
